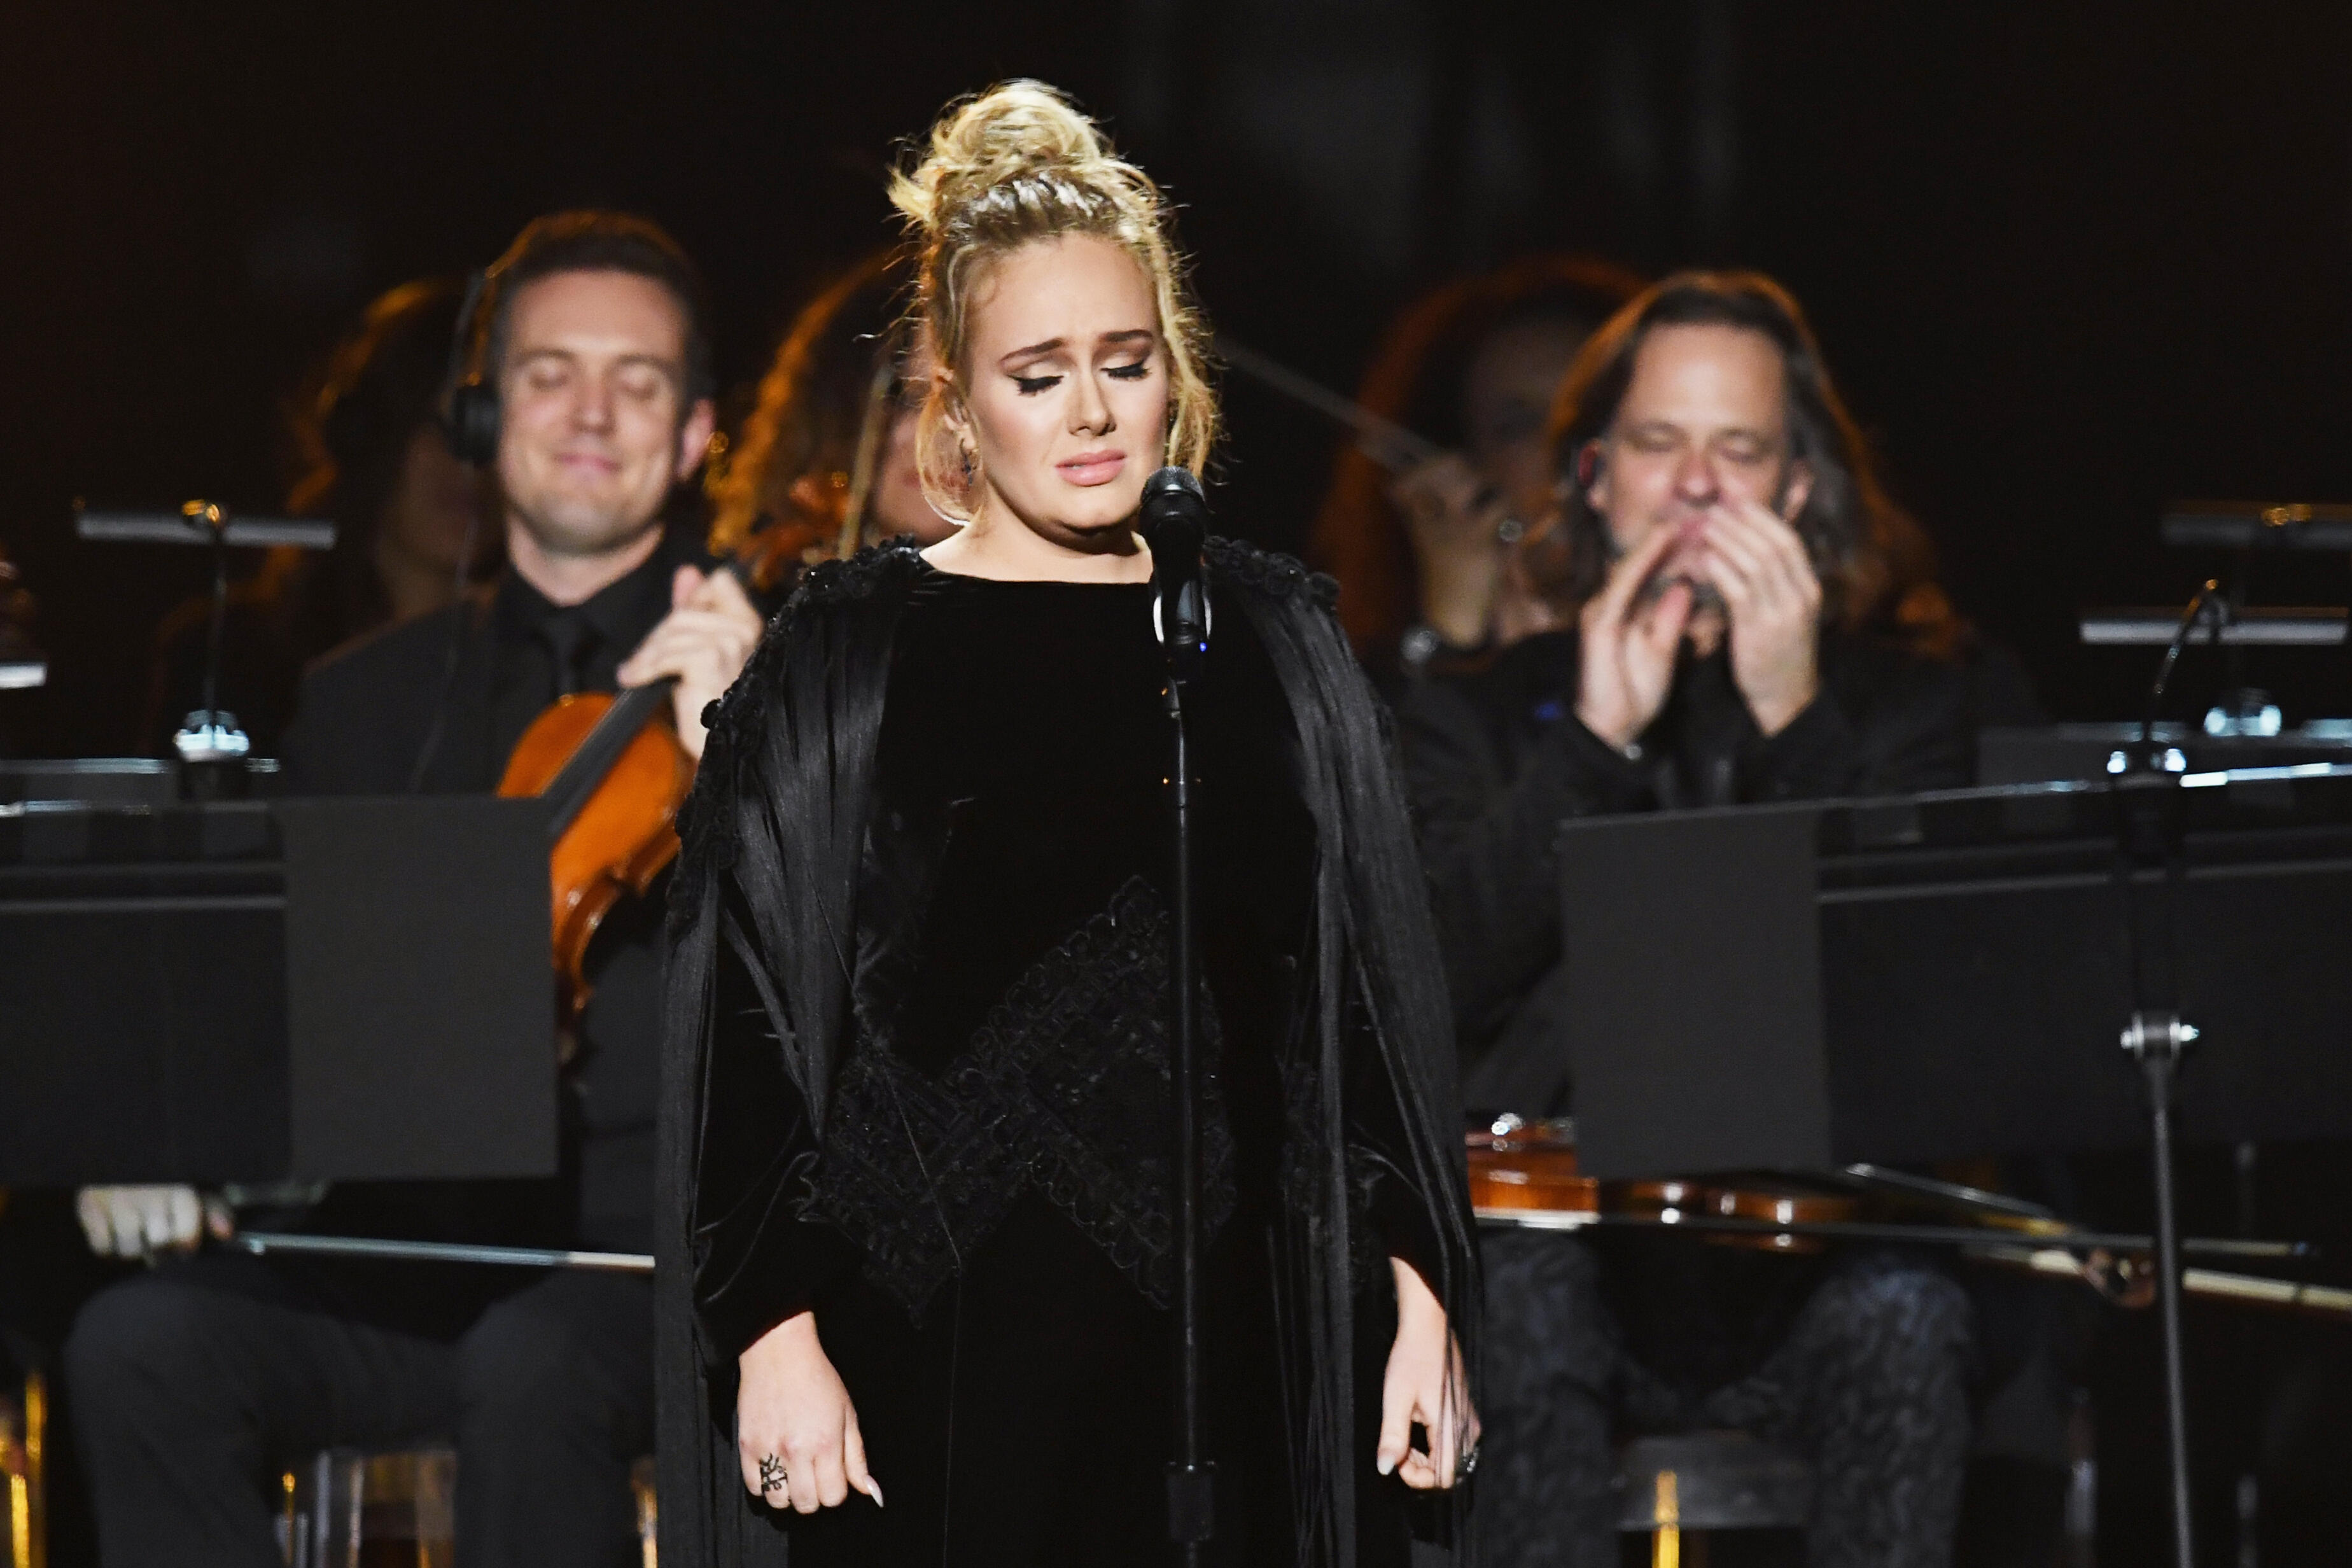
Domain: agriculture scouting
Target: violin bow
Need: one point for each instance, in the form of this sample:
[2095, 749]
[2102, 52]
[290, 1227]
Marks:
[1379, 437]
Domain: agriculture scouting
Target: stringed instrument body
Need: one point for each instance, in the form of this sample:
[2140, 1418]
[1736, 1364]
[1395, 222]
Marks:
[1524, 1174]
[616, 813]
[1527, 1173]
[612, 766]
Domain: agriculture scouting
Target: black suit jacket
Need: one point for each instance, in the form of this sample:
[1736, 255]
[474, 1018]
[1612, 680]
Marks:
[1496, 760]
[436, 705]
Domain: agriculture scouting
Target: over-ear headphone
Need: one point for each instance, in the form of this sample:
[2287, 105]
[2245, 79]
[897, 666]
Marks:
[469, 421]
[471, 418]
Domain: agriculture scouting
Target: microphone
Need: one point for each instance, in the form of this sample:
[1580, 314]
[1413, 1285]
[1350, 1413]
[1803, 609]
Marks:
[1173, 522]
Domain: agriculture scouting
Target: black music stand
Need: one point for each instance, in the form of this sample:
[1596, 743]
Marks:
[1948, 975]
[1941, 976]
[253, 992]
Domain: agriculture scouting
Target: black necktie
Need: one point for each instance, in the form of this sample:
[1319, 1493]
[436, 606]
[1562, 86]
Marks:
[570, 641]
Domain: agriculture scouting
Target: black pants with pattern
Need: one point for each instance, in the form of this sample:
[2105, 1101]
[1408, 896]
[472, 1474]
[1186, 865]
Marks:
[1860, 1362]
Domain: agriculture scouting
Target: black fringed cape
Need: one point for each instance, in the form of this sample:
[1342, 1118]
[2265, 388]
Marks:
[777, 827]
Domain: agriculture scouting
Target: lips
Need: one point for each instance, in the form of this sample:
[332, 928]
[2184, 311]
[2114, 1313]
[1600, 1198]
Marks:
[1091, 469]
[589, 462]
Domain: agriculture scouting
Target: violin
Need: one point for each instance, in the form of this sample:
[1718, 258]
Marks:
[1524, 1174]
[613, 768]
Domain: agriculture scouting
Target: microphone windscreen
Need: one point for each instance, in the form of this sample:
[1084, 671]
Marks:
[1175, 514]
[1174, 485]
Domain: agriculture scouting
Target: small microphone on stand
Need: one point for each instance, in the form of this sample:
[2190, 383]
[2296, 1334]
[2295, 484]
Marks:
[1174, 522]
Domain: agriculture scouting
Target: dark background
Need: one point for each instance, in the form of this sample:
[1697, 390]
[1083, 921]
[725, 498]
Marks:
[2068, 260]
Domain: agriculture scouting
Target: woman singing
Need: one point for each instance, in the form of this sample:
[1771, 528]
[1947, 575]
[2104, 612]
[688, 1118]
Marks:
[918, 1215]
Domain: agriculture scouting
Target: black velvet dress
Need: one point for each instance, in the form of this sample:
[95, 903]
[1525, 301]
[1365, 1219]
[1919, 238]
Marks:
[984, 1226]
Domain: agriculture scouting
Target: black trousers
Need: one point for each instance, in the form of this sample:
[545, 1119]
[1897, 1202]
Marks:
[1864, 1371]
[199, 1384]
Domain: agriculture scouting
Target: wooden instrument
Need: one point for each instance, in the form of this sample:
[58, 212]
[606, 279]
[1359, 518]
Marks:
[1524, 1174]
[617, 778]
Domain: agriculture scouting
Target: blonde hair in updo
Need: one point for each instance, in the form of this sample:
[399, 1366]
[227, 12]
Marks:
[1014, 165]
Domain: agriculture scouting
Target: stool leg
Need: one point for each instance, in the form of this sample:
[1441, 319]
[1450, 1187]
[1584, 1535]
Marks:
[21, 1448]
[36, 1431]
[289, 1523]
[641, 1484]
[1667, 1541]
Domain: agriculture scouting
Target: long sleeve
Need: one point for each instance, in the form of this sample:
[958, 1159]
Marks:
[759, 1257]
[1380, 1157]
[1488, 843]
[1901, 726]
[1491, 791]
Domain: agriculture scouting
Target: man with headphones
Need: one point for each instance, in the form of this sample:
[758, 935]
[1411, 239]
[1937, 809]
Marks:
[583, 382]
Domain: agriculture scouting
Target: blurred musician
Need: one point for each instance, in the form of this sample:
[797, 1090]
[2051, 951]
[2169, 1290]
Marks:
[830, 447]
[1750, 621]
[17, 614]
[1424, 560]
[197, 1381]
[413, 524]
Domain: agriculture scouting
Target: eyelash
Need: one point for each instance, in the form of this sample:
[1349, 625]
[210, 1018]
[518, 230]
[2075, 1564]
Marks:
[1031, 386]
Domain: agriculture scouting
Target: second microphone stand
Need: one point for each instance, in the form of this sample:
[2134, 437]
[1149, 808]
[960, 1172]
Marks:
[1173, 524]
[2149, 869]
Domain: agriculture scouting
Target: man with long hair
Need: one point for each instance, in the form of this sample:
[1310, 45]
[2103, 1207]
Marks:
[1753, 621]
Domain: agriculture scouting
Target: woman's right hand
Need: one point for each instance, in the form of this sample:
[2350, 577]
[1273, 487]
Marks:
[1454, 518]
[789, 1406]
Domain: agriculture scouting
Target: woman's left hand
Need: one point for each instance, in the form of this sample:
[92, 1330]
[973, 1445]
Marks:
[1424, 1384]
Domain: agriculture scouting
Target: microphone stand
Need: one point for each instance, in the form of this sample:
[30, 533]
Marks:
[1172, 523]
[2149, 848]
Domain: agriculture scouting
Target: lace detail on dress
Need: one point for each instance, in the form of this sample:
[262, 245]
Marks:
[1270, 572]
[1066, 1085]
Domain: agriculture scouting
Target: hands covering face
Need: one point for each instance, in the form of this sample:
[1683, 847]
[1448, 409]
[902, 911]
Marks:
[1759, 565]
[1633, 629]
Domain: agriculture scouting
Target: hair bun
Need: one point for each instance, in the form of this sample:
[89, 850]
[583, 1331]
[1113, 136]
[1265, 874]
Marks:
[1015, 135]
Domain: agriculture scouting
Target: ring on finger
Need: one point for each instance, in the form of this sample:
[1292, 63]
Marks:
[772, 1474]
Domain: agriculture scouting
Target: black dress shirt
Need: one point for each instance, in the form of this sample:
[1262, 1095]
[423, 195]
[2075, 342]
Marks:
[436, 705]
